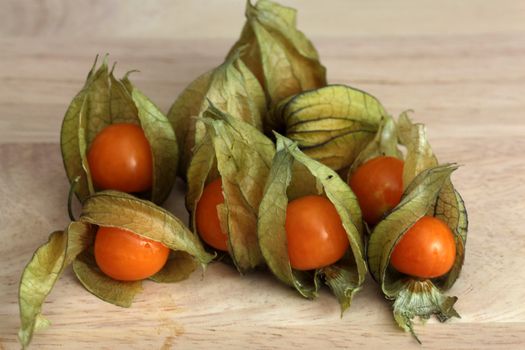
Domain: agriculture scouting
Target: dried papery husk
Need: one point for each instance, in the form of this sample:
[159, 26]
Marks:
[332, 124]
[384, 143]
[232, 88]
[241, 156]
[428, 191]
[346, 276]
[104, 100]
[75, 246]
[449, 206]
[144, 218]
[43, 270]
[281, 57]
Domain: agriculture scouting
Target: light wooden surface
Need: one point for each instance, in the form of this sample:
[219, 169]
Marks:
[459, 65]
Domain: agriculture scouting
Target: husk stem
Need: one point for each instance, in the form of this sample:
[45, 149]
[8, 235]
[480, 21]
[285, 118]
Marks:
[423, 299]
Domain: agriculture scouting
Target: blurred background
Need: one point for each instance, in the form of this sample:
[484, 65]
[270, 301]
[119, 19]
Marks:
[185, 19]
[417, 49]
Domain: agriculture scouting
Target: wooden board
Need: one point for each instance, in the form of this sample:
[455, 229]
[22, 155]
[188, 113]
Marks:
[231, 310]
[465, 80]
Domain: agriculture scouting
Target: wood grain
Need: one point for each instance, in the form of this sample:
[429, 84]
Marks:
[180, 19]
[459, 65]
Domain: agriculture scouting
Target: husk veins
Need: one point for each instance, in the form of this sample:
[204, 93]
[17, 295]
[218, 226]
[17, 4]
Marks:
[75, 244]
[104, 100]
[241, 156]
[332, 124]
[428, 191]
[344, 277]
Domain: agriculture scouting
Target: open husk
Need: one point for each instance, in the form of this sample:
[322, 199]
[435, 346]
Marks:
[293, 174]
[428, 191]
[74, 246]
[104, 100]
[241, 156]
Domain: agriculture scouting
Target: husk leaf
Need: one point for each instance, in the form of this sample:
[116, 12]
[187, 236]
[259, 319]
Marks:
[42, 272]
[242, 156]
[346, 276]
[201, 171]
[412, 297]
[385, 143]
[92, 103]
[179, 267]
[280, 56]
[104, 100]
[428, 191]
[332, 124]
[415, 203]
[121, 210]
[231, 88]
[163, 144]
[449, 206]
[344, 280]
[419, 153]
[103, 287]
[422, 299]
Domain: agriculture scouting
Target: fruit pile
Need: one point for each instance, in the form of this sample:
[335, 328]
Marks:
[315, 182]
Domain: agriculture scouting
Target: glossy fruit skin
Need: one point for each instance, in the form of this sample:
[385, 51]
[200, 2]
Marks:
[426, 250]
[208, 224]
[315, 234]
[378, 186]
[125, 256]
[120, 159]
